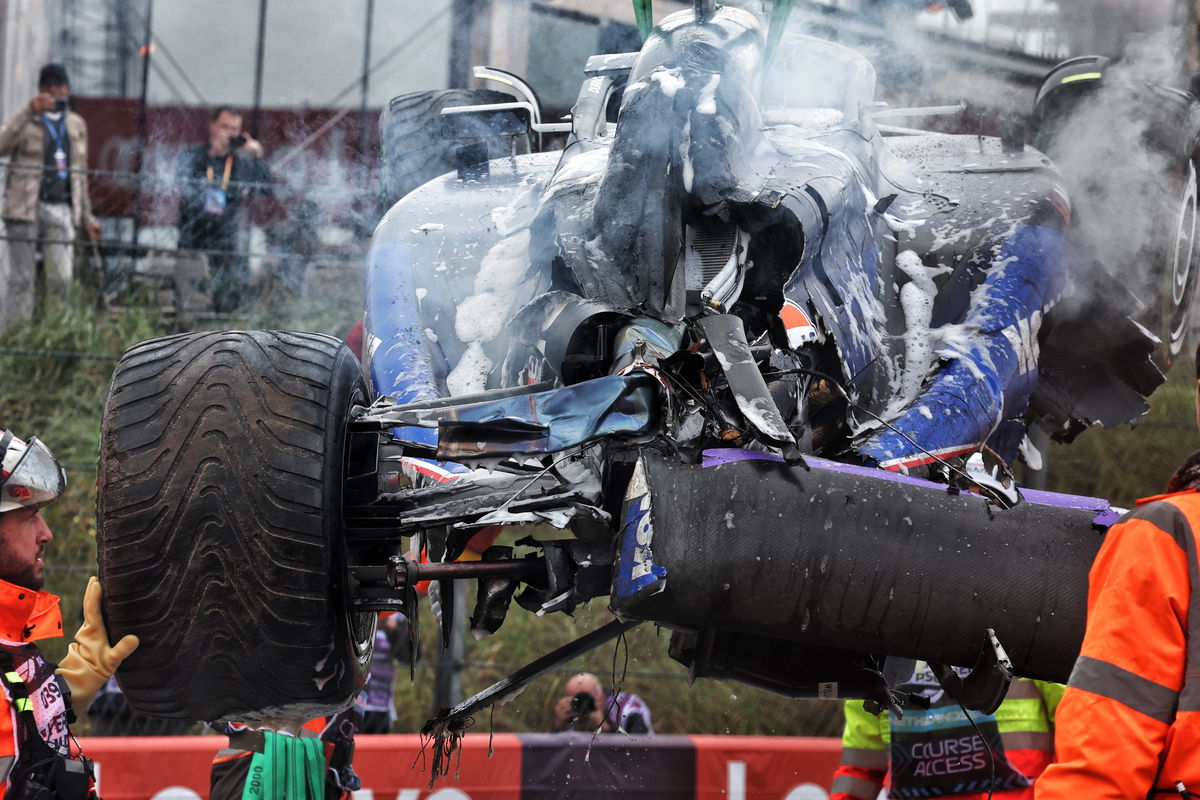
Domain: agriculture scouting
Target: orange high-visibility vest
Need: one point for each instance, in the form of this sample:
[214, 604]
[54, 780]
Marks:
[1129, 723]
[27, 616]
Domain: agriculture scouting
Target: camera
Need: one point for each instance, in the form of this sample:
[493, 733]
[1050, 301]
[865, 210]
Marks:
[57, 778]
[237, 142]
[634, 723]
[60, 104]
[583, 704]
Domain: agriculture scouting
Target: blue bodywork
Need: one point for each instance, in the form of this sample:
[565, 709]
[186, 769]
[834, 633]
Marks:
[460, 269]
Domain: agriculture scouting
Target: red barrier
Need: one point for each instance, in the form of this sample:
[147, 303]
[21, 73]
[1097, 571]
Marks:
[764, 767]
[393, 767]
[138, 768]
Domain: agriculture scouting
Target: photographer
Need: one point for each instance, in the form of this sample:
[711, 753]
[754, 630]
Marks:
[585, 706]
[215, 179]
[46, 194]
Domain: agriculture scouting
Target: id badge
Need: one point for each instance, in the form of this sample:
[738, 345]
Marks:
[60, 162]
[215, 200]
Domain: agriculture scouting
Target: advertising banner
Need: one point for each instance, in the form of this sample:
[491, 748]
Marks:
[562, 766]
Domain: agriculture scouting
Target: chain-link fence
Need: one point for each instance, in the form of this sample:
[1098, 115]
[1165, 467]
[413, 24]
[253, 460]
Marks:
[267, 247]
[288, 261]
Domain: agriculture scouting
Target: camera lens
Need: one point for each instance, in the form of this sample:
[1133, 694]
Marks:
[583, 703]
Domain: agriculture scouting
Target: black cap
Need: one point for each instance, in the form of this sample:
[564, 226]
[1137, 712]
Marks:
[53, 75]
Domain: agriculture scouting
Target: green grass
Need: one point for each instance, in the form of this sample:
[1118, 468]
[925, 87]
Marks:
[59, 398]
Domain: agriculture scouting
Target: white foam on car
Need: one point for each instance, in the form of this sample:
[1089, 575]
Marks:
[668, 80]
[481, 317]
[707, 102]
[471, 373]
[916, 299]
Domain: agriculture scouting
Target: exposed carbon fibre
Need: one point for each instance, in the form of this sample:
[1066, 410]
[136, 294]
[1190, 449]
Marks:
[844, 560]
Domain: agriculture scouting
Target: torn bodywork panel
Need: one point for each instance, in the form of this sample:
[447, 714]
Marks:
[927, 271]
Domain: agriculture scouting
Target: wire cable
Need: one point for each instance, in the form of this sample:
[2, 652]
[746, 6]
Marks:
[991, 751]
[834, 382]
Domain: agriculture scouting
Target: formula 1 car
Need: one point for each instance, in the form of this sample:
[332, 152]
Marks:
[746, 357]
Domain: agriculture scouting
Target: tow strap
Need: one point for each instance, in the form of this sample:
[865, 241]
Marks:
[288, 768]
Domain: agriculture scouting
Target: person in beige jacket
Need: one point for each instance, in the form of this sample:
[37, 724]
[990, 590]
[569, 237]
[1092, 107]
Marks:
[46, 197]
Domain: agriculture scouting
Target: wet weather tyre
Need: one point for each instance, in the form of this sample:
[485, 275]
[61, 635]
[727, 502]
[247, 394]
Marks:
[219, 525]
[1182, 268]
[413, 151]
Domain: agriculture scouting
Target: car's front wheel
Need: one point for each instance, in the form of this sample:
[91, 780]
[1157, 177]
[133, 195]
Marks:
[219, 525]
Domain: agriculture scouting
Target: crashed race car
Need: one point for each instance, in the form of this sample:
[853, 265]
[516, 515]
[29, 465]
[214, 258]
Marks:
[747, 357]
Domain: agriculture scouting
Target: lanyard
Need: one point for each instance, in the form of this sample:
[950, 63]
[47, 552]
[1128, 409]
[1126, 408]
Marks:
[59, 135]
[225, 177]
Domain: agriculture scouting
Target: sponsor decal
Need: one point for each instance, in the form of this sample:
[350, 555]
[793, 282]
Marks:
[1022, 335]
[637, 571]
[800, 329]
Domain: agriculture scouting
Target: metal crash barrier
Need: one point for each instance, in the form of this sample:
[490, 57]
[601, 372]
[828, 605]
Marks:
[521, 767]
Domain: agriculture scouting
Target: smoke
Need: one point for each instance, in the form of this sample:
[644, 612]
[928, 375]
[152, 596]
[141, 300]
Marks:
[1120, 179]
[1118, 146]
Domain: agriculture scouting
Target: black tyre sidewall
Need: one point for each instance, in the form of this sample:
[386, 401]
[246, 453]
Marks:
[1177, 309]
[356, 631]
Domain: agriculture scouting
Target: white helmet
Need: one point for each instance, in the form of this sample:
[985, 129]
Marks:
[30, 475]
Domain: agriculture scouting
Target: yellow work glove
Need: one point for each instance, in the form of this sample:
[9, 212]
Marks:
[90, 659]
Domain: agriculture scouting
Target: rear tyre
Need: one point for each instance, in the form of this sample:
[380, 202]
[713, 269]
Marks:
[414, 151]
[1182, 267]
[1148, 182]
[219, 525]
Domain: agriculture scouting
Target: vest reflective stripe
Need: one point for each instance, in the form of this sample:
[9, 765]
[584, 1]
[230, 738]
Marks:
[1169, 519]
[13, 677]
[857, 787]
[867, 759]
[6, 765]
[1027, 740]
[231, 754]
[24, 704]
[1022, 715]
[1127, 688]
